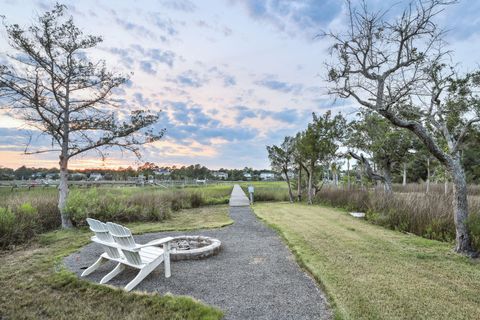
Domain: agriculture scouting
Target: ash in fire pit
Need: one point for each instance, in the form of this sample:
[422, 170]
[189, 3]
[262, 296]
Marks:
[193, 247]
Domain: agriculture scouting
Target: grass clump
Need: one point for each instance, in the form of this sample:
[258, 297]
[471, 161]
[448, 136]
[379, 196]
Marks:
[371, 272]
[35, 284]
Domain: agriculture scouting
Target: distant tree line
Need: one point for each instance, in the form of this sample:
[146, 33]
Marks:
[148, 170]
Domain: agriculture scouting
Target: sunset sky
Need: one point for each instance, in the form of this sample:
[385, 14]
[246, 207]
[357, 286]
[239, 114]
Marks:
[230, 76]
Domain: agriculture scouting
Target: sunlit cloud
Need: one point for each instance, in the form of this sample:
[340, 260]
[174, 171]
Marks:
[227, 77]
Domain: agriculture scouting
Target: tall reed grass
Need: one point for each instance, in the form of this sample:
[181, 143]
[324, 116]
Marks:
[267, 192]
[26, 213]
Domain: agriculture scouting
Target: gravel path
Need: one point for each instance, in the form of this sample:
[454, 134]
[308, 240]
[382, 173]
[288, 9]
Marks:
[254, 276]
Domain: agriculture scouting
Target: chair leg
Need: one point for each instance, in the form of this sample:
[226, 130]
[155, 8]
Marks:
[94, 266]
[109, 276]
[166, 259]
[142, 274]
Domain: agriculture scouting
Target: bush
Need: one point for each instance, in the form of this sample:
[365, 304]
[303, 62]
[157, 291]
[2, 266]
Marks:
[17, 226]
[474, 227]
[7, 223]
[127, 205]
[196, 200]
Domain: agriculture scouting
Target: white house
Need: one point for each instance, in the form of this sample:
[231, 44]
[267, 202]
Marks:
[95, 177]
[162, 172]
[220, 175]
[267, 176]
[247, 175]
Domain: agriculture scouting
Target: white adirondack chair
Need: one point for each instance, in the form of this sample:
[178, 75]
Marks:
[104, 238]
[143, 257]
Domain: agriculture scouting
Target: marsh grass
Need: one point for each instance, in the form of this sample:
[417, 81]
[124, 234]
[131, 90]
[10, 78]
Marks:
[473, 190]
[268, 191]
[127, 204]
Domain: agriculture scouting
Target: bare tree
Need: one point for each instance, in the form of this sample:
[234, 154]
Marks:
[52, 85]
[395, 66]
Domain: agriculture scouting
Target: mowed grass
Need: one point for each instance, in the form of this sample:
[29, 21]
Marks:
[35, 285]
[370, 272]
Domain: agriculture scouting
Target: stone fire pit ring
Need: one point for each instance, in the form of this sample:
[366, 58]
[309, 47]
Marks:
[193, 247]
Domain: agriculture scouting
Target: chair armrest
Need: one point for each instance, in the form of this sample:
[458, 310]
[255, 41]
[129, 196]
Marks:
[155, 243]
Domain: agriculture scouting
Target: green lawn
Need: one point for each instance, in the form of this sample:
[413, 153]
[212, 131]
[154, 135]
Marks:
[34, 284]
[369, 272]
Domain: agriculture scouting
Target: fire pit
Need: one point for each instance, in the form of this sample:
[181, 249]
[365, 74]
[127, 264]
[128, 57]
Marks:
[193, 247]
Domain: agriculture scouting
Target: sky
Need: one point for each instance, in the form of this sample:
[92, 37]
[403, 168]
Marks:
[227, 76]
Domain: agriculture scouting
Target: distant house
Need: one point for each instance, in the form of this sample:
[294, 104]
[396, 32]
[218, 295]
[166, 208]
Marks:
[267, 176]
[247, 175]
[220, 175]
[162, 172]
[95, 177]
[37, 175]
[77, 176]
[52, 176]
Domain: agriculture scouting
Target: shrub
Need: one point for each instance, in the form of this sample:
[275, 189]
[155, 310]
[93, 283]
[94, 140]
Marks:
[7, 223]
[474, 227]
[17, 226]
[196, 200]
[119, 205]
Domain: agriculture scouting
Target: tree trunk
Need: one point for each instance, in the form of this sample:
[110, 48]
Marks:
[63, 193]
[387, 180]
[460, 206]
[290, 194]
[299, 184]
[446, 182]
[404, 183]
[310, 185]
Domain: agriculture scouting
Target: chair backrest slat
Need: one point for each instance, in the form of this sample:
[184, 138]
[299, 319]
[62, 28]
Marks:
[123, 237]
[101, 232]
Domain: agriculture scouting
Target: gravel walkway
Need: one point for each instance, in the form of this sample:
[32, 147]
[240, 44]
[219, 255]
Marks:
[254, 276]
